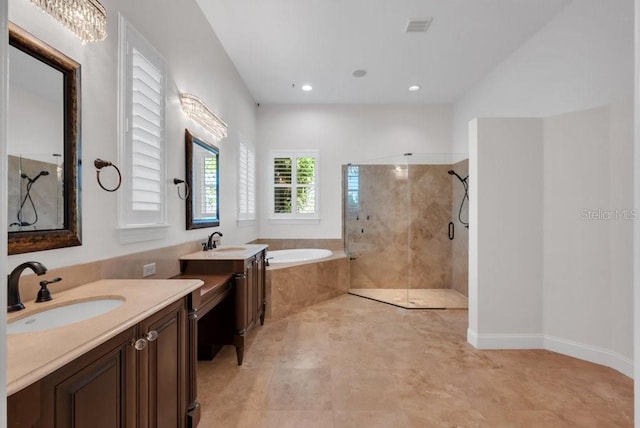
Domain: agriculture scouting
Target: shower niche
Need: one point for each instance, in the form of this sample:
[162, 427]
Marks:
[403, 232]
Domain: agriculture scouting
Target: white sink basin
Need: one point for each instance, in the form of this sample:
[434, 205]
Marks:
[229, 249]
[64, 315]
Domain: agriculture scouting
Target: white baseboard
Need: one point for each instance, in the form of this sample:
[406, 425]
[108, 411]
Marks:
[590, 353]
[571, 348]
[505, 341]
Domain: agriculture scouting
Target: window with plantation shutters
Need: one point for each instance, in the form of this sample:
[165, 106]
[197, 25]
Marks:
[295, 185]
[246, 181]
[142, 123]
[205, 163]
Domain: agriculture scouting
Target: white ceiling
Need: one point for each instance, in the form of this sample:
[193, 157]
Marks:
[275, 44]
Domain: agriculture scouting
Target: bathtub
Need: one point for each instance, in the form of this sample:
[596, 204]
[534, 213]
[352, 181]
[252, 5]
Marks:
[297, 255]
[299, 278]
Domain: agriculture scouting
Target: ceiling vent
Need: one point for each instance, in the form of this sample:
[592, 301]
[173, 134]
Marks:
[418, 25]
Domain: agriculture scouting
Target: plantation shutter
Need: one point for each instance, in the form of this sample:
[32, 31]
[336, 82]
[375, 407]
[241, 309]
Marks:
[295, 185]
[305, 190]
[246, 182]
[353, 190]
[142, 199]
[147, 129]
[208, 172]
[282, 173]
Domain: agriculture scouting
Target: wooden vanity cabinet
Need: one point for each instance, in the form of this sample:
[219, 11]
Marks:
[162, 369]
[120, 385]
[249, 277]
[100, 382]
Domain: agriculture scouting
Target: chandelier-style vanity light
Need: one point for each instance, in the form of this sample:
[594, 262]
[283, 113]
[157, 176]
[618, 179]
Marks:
[87, 19]
[198, 111]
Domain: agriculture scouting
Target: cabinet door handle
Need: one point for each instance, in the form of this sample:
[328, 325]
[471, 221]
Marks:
[140, 344]
[151, 336]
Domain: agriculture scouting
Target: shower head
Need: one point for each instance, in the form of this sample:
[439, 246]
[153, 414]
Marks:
[452, 172]
[33, 180]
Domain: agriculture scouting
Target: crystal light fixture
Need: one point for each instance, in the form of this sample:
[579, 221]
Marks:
[85, 18]
[198, 111]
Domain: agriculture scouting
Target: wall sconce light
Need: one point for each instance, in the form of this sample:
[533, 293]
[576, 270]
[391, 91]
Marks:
[85, 18]
[198, 111]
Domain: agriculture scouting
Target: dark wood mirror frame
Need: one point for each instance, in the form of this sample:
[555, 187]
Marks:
[190, 140]
[70, 234]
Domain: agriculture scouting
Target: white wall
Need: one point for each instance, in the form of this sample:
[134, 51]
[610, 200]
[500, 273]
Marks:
[25, 139]
[588, 263]
[505, 242]
[583, 58]
[196, 63]
[636, 234]
[3, 215]
[344, 134]
[552, 224]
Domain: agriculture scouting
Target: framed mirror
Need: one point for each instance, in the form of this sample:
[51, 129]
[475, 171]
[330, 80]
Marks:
[43, 146]
[202, 166]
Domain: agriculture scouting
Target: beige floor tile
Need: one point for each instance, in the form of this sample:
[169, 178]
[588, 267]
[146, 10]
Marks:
[355, 362]
[363, 389]
[415, 298]
[267, 419]
[371, 419]
[299, 389]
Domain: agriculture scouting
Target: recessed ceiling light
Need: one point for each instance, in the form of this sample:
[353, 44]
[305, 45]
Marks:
[359, 73]
[414, 88]
[307, 88]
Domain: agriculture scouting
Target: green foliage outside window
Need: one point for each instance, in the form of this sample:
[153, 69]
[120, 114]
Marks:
[300, 182]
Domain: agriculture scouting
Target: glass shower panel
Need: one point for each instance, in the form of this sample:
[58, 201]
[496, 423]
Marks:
[406, 242]
[430, 248]
[376, 223]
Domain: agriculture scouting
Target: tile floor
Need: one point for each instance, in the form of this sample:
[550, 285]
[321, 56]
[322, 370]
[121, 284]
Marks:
[415, 298]
[354, 362]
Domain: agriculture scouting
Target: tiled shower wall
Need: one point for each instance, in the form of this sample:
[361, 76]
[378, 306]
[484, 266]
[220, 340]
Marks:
[398, 235]
[46, 194]
[460, 279]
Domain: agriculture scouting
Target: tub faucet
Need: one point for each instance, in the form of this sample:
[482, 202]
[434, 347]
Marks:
[212, 241]
[13, 284]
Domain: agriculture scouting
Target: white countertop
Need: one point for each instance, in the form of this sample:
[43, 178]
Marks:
[32, 356]
[227, 252]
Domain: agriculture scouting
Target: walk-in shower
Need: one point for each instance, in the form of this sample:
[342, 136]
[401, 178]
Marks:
[35, 192]
[404, 236]
[20, 216]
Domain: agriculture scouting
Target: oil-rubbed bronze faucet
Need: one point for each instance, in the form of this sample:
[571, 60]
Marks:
[13, 284]
[211, 242]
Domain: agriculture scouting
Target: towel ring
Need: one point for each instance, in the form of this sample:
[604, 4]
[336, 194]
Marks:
[177, 182]
[99, 164]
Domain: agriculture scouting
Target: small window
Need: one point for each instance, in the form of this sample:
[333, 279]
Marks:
[207, 182]
[142, 136]
[295, 185]
[246, 182]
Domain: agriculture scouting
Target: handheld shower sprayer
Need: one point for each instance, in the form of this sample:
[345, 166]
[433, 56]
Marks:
[465, 183]
[452, 172]
[30, 181]
[33, 180]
